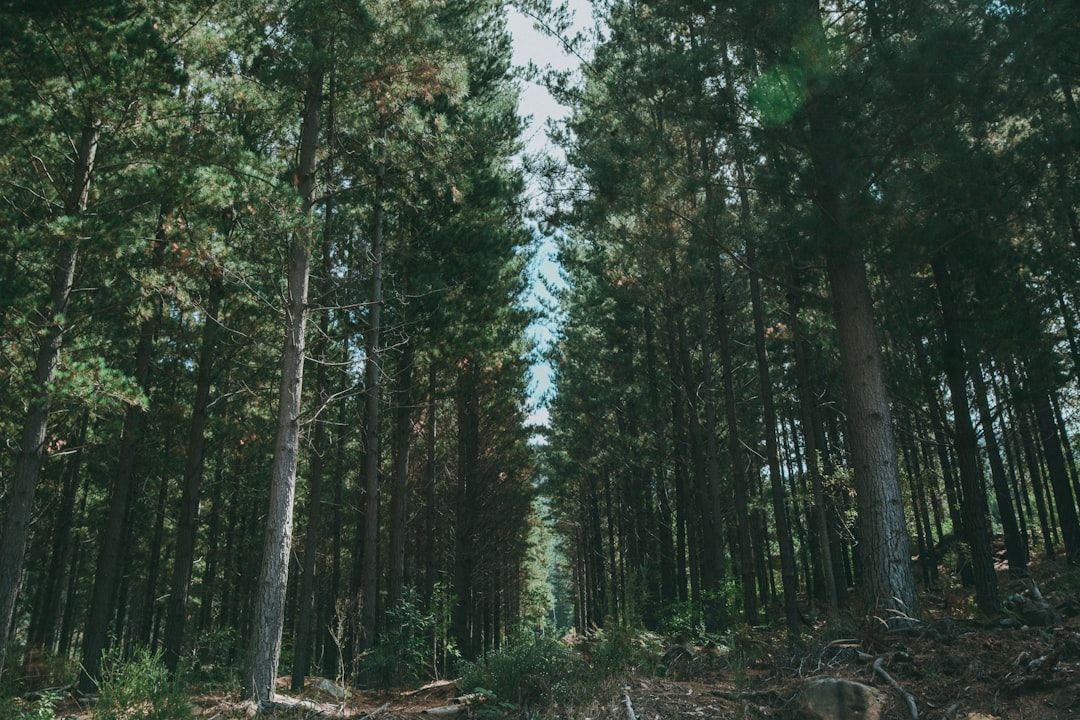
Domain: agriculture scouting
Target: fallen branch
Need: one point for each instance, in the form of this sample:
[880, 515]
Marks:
[880, 670]
[770, 695]
[375, 712]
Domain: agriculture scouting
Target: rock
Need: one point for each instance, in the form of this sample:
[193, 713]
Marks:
[1032, 609]
[332, 689]
[836, 699]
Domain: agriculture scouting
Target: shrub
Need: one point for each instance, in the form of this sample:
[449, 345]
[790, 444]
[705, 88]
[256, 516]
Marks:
[405, 651]
[40, 709]
[139, 689]
[529, 672]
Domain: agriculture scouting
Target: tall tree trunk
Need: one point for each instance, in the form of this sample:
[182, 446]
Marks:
[811, 423]
[16, 525]
[187, 523]
[1059, 478]
[706, 540]
[112, 550]
[712, 511]
[399, 495]
[307, 613]
[431, 428]
[264, 647]
[788, 571]
[975, 507]
[1015, 543]
[739, 463]
[888, 581]
[43, 632]
[468, 469]
[369, 590]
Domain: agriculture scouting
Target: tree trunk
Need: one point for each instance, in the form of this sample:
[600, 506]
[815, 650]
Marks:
[187, 523]
[16, 525]
[975, 507]
[468, 468]
[114, 539]
[888, 582]
[307, 614]
[264, 646]
[399, 495]
[43, 632]
[1015, 543]
[768, 408]
[738, 470]
[811, 422]
[369, 590]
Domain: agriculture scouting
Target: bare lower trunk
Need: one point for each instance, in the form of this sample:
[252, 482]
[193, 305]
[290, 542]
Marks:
[399, 495]
[115, 537]
[975, 507]
[373, 374]
[264, 647]
[887, 579]
[188, 523]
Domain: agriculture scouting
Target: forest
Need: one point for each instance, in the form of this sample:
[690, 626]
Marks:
[266, 315]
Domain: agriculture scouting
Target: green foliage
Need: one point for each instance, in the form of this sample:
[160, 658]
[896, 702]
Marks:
[528, 672]
[405, 651]
[41, 709]
[622, 650]
[139, 689]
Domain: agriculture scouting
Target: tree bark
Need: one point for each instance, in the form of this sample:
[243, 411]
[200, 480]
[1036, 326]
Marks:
[738, 470]
[264, 647]
[975, 508]
[788, 572]
[399, 495]
[888, 581]
[187, 523]
[114, 539]
[369, 589]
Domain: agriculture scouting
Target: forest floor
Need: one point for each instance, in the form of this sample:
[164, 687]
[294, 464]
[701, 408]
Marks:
[953, 667]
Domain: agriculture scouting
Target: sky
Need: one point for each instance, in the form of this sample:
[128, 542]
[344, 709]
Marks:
[531, 44]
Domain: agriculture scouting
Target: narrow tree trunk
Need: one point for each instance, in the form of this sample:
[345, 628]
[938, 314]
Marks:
[43, 632]
[431, 474]
[264, 647]
[399, 495]
[187, 523]
[1015, 543]
[369, 612]
[788, 572]
[16, 524]
[739, 464]
[810, 419]
[468, 468]
[112, 550]
[975, 507]
[713, 525]
[307, 614]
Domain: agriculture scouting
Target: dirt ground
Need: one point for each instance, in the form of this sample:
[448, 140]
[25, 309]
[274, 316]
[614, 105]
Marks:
[952, 666]
[953, 670]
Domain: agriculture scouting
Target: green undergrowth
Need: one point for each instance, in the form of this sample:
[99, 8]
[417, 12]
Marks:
[139, 688]
[535, 676]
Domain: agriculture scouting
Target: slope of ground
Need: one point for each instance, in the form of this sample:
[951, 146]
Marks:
[951, 667]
